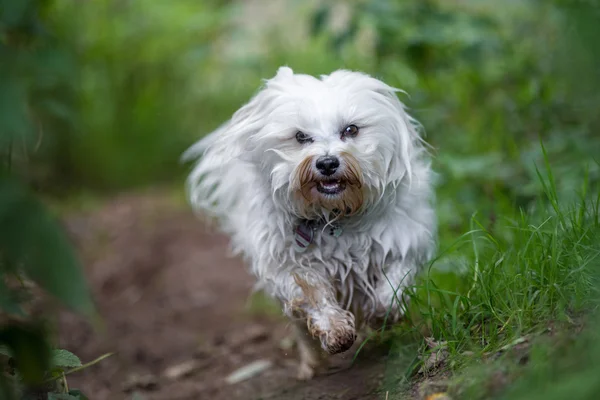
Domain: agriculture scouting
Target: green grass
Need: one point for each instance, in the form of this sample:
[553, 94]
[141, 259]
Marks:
[532, 276]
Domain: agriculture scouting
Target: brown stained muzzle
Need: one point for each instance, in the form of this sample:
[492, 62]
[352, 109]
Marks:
[308, 186]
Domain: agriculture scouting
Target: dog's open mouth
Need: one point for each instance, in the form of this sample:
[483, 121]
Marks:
[331, 187]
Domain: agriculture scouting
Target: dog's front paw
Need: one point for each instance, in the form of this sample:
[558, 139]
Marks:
[338, 339]
[335, 329]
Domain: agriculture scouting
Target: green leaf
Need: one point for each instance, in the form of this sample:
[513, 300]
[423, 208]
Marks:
[28, 346]
[64, 358]
[31, 239]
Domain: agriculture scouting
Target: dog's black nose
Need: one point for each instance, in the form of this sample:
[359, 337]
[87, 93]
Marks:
[327, 165]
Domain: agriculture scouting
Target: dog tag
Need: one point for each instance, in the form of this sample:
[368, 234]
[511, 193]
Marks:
[336, 231]
[303, 236]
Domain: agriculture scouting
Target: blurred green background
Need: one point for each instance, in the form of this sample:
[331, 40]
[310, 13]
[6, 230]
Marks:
[103, 96]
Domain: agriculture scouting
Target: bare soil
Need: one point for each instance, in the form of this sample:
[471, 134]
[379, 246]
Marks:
[170, 297]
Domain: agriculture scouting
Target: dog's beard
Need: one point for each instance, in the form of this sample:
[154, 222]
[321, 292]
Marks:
[340, 195]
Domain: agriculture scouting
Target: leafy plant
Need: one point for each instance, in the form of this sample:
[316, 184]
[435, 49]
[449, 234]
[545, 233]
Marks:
[51, 380]
[33, 248]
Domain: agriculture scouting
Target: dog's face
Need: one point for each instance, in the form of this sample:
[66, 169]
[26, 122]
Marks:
[327, 147]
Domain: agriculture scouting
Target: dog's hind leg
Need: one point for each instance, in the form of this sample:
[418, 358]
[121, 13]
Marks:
[309, 351]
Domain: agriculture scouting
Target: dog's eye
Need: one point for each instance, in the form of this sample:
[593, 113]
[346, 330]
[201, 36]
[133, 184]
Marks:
[350, 131]
[302, 138]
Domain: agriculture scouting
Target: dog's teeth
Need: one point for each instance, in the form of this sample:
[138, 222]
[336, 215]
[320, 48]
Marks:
[330, 184]
[330, 187]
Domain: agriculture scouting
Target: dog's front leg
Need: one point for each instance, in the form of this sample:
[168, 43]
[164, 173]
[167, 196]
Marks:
[325, 319]
[312, 302]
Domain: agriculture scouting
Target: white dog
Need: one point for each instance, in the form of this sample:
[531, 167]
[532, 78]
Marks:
[324, 186]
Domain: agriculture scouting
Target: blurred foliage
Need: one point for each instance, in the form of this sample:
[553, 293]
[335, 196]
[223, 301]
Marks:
[134, 100]
[148, 78]
[485, 86]
[32, 242]
[103, 93]
[569, 367]
[34, 92]
[35, 83]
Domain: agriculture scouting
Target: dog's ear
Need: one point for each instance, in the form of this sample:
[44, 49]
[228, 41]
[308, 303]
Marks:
[284, 72]
[233, 139]
[406, 130]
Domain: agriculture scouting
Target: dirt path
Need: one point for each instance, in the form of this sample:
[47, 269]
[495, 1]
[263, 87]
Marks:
[169, 296]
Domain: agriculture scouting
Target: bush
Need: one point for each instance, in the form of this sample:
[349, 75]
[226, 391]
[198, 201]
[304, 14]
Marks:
[32, 246]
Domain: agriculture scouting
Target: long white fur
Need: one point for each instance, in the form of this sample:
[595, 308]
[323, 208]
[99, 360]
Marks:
[244, 174]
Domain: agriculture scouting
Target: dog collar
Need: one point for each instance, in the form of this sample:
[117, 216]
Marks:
[304, 233]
